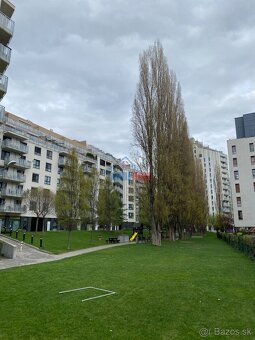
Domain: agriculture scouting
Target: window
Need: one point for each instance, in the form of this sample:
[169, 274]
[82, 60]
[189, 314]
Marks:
[47, 180]
[38, 151]
[237, 185]
[102, 172]
[234, 161]
[49, 154]
[130, 182]
[253, 173]
[233, 149]
[130, 190]
[240, 215]
[253, 160]
[36, 164]
[131, 198]
[239, 201]
[48, 167]
[254, 186]
[236, 175]
[102, 162]
[130, 215]
[131, 206]
[251, 147]
[35, 178]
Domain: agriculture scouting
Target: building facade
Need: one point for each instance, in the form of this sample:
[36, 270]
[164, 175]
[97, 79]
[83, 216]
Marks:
[211, 160]
[6, 33]
[32, 156]
[241, 153]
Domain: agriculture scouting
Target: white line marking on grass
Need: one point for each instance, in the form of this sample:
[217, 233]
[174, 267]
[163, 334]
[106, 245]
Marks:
[108, 292]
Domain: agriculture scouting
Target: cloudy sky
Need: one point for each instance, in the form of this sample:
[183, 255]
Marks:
[74, 64]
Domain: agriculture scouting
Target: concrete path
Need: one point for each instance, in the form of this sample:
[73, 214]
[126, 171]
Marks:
[27, 255]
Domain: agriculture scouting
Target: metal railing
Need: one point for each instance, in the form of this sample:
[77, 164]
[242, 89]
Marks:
[6, 23]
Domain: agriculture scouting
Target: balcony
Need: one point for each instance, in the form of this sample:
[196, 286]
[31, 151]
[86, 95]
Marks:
[14, 133]
[89, 160]
[11, 193]
[3, 85]
[18, 163]
[10, 145]
[6, 29]
[7, 8]
[14, 208]
[87, 168]
[61, 161]
[12, 177]
[5, 57]
[2, 113]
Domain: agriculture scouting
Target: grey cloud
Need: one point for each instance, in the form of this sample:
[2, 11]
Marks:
[75, 63]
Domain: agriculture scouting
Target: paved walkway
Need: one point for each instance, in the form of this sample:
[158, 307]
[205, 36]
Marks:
[27, 255]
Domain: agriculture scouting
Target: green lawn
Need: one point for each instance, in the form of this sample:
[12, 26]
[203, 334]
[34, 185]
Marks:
[56, 241]
[161, 293]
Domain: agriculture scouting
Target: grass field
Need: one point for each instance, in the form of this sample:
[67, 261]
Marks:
[161, 293]
[56, 241]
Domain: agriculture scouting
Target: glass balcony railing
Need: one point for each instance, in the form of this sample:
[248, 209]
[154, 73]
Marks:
[5, 53]
[3, 83]
[12, 177]
[7, 143]
[17, 162]
[11, 193]
[6, 24]
[15, 208]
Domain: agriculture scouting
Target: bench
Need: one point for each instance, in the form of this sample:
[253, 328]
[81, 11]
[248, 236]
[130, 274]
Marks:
[113, 240]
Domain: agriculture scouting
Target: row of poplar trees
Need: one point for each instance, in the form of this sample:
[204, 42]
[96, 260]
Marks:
[174, 197]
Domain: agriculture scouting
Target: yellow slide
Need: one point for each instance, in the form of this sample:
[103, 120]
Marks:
[133, 236]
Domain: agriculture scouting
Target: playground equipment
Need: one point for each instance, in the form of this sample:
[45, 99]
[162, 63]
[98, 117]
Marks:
[133, 237]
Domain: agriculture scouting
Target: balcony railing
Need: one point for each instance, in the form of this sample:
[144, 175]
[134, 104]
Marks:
[3, 83]
[7, 143]
[5, 57]
[17, 162]
[6, 24]
[11, 193]
[16, 208]
[2, 112]
[61, 161]
[4, 175]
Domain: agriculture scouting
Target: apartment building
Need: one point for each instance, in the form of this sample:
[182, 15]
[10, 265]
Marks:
[211, 160]
[241, 154]
[6, 33]
[32, 156]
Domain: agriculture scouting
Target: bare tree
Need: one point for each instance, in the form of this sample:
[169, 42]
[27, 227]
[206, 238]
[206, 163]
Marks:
[40, 201]
[149, 109]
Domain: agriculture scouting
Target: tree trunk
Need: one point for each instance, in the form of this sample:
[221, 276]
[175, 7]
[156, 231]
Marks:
[155, 234]
[36, 224]
[170, 233]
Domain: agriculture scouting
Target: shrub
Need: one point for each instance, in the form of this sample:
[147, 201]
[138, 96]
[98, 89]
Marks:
[244, 243]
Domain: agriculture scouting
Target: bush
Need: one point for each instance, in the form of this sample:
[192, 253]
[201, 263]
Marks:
[244, 243]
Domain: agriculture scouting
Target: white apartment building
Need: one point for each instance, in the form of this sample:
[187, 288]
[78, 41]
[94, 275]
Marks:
[241, 152]
[32, 156]
[6, 33]
[211, 159]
